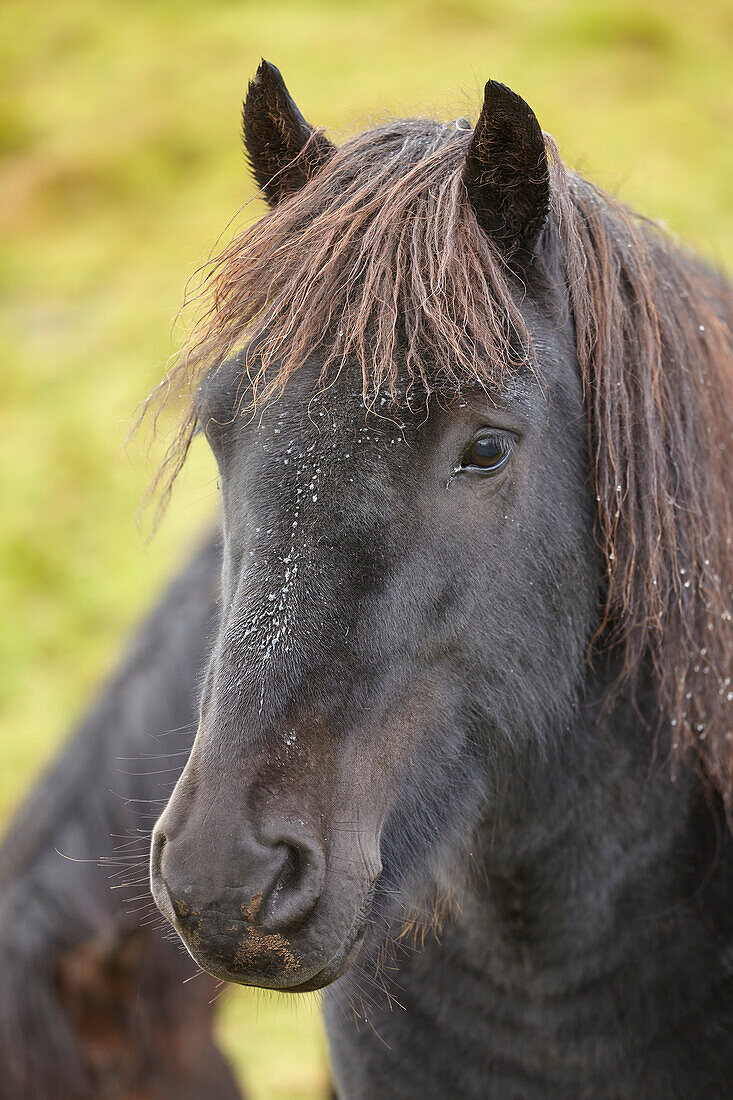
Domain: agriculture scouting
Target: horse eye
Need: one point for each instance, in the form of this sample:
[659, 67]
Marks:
[488, 454]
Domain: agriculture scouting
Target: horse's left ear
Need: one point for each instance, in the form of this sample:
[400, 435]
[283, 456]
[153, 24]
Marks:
[284, 151]
[506, 173]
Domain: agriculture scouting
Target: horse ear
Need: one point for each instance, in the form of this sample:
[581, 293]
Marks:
[283, 150]
[506, 172]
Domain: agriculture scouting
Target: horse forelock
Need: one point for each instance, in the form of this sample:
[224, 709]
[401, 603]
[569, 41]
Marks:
[379, 260]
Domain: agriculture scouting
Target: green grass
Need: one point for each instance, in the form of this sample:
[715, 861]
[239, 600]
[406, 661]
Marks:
[121, 165]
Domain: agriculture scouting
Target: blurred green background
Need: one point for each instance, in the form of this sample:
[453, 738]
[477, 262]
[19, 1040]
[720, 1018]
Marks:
[121, 165]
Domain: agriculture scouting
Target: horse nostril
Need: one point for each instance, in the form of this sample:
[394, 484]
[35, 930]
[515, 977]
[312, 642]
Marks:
[291, 871]
[280, 882]
[156, 849]
[175, 900]
[158, 885]
[296, 889]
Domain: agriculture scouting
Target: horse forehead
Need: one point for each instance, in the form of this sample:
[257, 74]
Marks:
[322, 430]
[309, 492]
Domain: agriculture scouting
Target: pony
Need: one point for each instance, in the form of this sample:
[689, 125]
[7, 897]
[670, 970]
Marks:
[463, 758]
[95, 1002]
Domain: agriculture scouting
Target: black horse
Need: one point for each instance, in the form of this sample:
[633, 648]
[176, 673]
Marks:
[473, 422]
[95, 1002]
[464, 749]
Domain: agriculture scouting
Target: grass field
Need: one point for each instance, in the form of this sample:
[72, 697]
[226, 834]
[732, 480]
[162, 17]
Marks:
[121, 165]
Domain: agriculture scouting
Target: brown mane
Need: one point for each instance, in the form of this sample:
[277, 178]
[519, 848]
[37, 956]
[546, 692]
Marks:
[380, 258]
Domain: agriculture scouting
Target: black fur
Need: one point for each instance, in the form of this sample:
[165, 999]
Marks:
[410, 784]
[448, 730]
[92, 1000]
[506, 172]
[282, 149]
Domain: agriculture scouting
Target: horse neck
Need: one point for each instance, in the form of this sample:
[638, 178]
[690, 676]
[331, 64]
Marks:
[594, 848]
[598, 920]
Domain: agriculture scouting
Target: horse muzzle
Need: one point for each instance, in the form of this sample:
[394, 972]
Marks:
[263, 911]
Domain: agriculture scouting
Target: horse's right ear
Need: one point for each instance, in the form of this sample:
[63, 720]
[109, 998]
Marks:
[283, 150]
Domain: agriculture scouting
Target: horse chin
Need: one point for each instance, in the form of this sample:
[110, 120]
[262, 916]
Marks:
[273, 962]
[336, 968]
